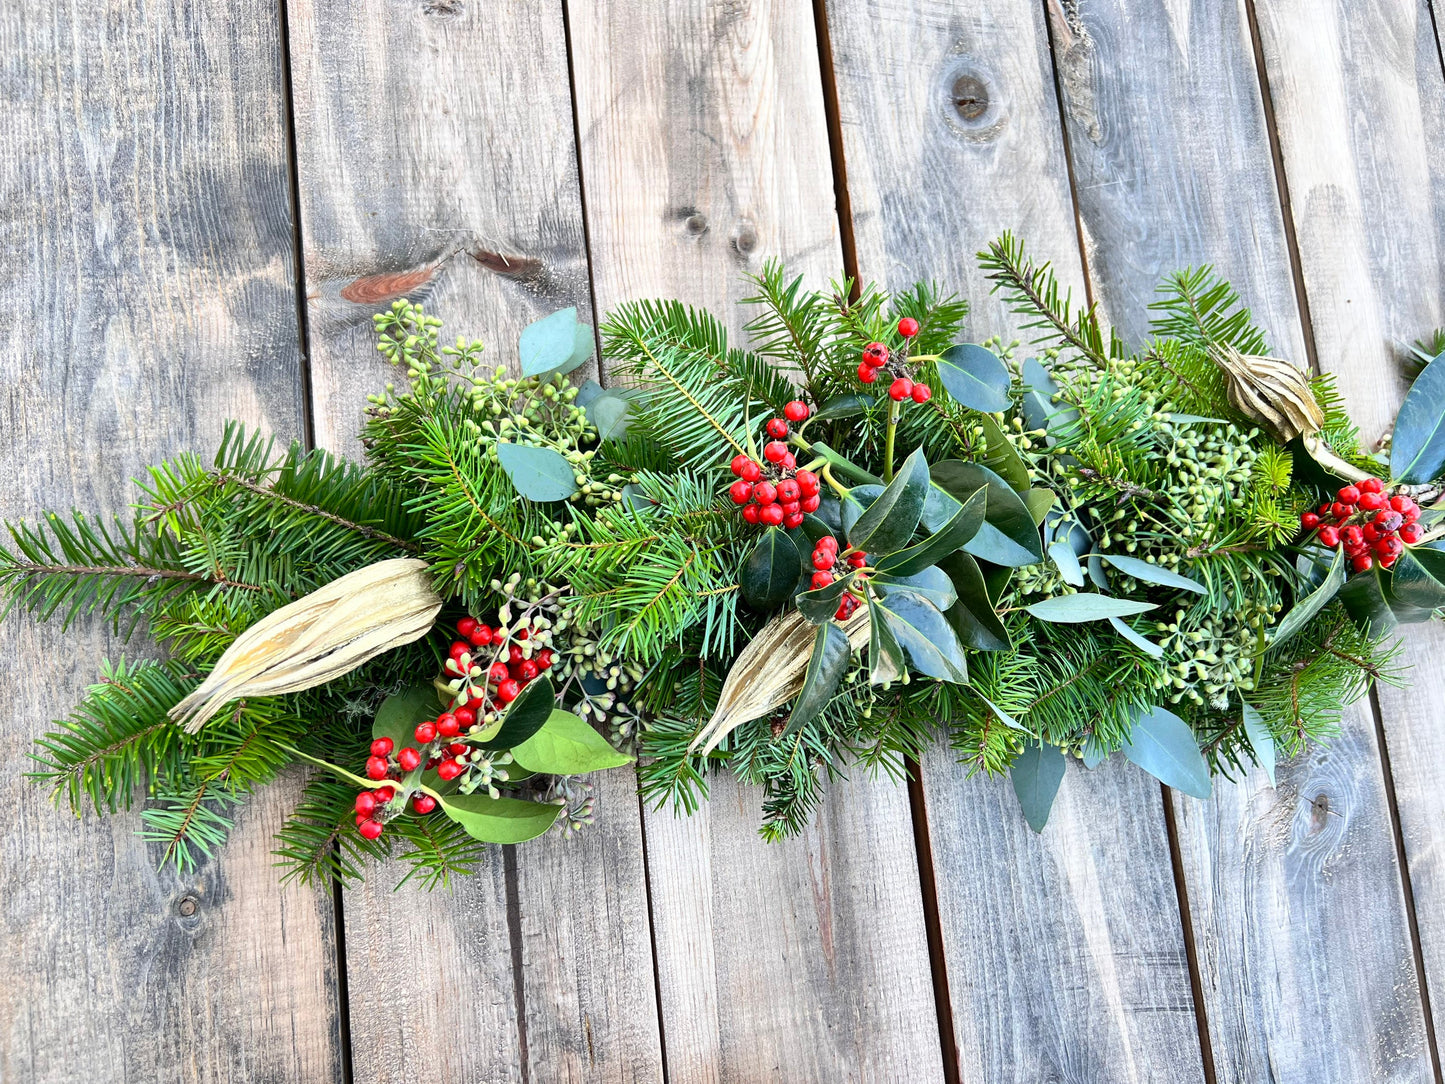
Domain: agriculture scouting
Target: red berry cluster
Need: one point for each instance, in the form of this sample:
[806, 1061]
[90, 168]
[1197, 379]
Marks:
[1369, 524]
[825, 563]
[775, 492]
[876, 359]
[508, 673]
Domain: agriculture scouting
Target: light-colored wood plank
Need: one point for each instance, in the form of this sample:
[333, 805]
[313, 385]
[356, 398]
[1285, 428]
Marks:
[437, 160]
[147, 293]
[704, 152]
[1174, 167]
[1359, 102]
[1065, 951]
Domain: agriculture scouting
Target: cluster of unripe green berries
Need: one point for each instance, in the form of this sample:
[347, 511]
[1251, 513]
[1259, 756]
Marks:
[826, 569]
[775, 492]
[877, 359]
[1371, 526]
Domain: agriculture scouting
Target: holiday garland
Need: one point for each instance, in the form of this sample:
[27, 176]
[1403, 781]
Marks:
[817, 554]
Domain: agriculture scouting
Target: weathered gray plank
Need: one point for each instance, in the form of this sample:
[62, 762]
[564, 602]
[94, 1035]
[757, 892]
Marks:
[436, 157]
[1359, 102]
[1065, 953]
[147, 293]
[1173, 167]
[704, 151]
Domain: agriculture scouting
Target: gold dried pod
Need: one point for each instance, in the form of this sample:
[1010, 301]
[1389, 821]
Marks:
[1270, 391]
[769, 673]
[319, 637]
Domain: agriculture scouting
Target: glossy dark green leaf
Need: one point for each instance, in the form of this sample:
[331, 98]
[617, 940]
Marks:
[548, 343]
[539, 474]
[858, 501]
[1305, 609]
[1039, 408]
[1417, 448]
[525, 715]
[1036, 774]
[1008, 536]
[1149, 647]
[885, 657]
[499, 820]
[1419, 578]
[567, 745]
[830, 513]
[1067, 562]
[827, 667]
[400, 713]
[1085, 606]
[608, 412]
[932, 583]
[842, 406]
[1261, 741]
[820, 605]
[1143, 570]
[889, 522]
[975, 377]
[1163, 745]
[770, 574]
[1001, 456]
[1365, 600]
[952, 536]
[972, 616]
[926, 637]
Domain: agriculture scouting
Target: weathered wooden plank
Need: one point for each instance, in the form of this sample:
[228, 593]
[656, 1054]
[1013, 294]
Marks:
[436, 157]
[704, 151]
[1359, 102]
[147, 293]
[1065, 953]
[1173, 167]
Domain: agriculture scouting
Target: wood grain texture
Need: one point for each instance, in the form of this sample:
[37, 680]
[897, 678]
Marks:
[147, 293]
[1174, 167]
[1065, 953]
[704, 152]
[436, 156]
[1359, 102]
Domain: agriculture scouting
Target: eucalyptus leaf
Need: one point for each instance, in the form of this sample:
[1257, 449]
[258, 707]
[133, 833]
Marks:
[1261, 741]
[1417, 446]
[567, 745]
[950, 537]
[1036, 774]
[770, 574]
[583, 348]
[932, 583]
[1002, 716]
[1085, 606]
[400, 713]
[1067, 562]
[608, 412]
[889, 522]
[1163, 745]
[926, 637]
[827, 666]
[975, 377]
[539, 474]
[587, 391]
[1148, 573]
[1002, 457]
[1305, 609]
[1094, 752]
[885, 656]
[636, 498]
[548, 343]
[1095, 566]
[499, 820]
[972, 616]
[525, 715]
[1149, 647]
[1039, 409]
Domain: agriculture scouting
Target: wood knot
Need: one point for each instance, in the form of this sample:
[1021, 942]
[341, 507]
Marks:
[970, 97]
[187, 906]
[970, 100]
[1319, 812]
[385, 287]
[443, 8]
[695, 224]
[746, 239]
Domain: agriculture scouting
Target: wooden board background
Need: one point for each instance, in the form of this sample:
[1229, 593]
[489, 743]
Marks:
[203, 208]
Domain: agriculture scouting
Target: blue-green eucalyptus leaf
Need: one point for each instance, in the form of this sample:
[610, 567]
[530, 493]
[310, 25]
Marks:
[1150, 573]
[975, 377]
[539, 474]
[1036, 774]
[549, 343]
[1085, 606]
[1261, 741]
[1163, 745]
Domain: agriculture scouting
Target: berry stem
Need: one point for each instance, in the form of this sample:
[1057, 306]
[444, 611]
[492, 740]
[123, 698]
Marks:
[827, 475]
[888, 440]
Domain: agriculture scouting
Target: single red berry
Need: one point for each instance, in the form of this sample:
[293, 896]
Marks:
[366, 803]
[788, 462]
[1389, 520]
[1389, 547]
[408, 758]
[375, 768]
[1340, 510]
[738, 463]
[792, 520]
[514, 653]
[921, 393]
[457, 748]
[449, 770]
[846, 608]
[771, 514]
[750, 513]
[765, 493]
[807, 482]
[796, 411]
[777, 428]
[459, 649]
[1388, 561]
[791, 508]
[823, 559]
[1372, 502]
[752, 471]
[908, 327]
[773, 451]
[1401, 503]
[1411, 533]
[867, 373]
[426, 733]
[448, 726]
[384, 794]
[527, 670]
[857, 560]
[361, 818]
[900, 389]
[789, 490]
[1348, 494]
[1353, 533]
[1371, 532]
[370, 829]
[1309, 521]
[1412, 514]
[423, 803]
[466, 626]
[1371, 485]
[382, 747]
[827, 542]
[481, 636]
[498, 672]
[523, 634]
[544, 659]
[822, 579]
[508, 691]
[810, 503]
[1330, 536]
[875, 354]
[741, 492]
[1363, 563]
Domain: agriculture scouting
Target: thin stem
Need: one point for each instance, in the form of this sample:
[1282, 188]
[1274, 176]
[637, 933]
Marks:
[888, 439]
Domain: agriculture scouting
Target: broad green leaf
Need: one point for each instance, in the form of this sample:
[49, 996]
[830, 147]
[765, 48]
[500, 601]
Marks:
[608, 412]
[1002, 457]
[1163, 745]
[926, 637]
[1085, 606]
[525, 715]
[770, 574]
[1039, 409]
[582, 348]
[1417, 448]
[889, 522]
[1261, 741]
[1036, 774]
[587, 391]
[1192, 419]
[1305, 609]
[1143, 570]
[499, 820]
[821, 604]
[1149, 647]
[400, 713]
[1002, 716]
[885, 657]
[972, 616]
[827, 667]
[1419, 578]
[1039, 502]
[1067, 561]
[1365, 600]
[540, 474]
[858, 501]
[975, 377]
[1008, 536]
[932, 583]
[548, 343]
[948, 538]
[566, 745]
[636, 498]
[842, 406]
[1095, 565]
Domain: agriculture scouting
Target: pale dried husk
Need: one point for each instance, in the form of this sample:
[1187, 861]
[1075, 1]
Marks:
[769, 673]
[319, 637]
[1272, 392]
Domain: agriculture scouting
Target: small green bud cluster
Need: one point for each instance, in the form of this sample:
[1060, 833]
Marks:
[488, 768]
[1212, 654]
[574, 795]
